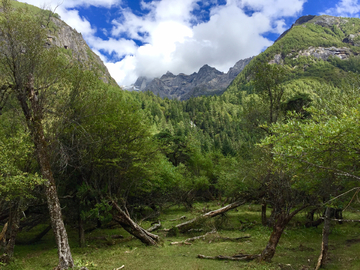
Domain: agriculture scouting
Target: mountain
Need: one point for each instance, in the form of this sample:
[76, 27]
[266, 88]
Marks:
[207, 81]
[316, 50]
[70, 41]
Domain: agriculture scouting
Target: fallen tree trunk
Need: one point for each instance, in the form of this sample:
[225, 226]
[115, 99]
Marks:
[154, 227]
[36, 238]
[180, 218]
[325, 241]
[200, 237]
[184, 227]
[238, 257]
[187, 241]
[134, 229]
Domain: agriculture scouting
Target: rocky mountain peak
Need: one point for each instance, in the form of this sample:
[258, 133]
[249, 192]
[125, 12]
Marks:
[207, 81]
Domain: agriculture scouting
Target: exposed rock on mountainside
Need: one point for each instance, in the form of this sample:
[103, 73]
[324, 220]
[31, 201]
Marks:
[316, 49]
[63, 36]
[207, 81]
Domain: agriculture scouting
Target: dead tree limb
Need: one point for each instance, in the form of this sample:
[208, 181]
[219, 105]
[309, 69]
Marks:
[238, 257]
[234, 239]
[180, 218]
[184, 227]
[342, 220]
[134, 229]
[36, 238]
[200, 237]
[187, 241]
[181, 243]
[325, 241]
[154, 227]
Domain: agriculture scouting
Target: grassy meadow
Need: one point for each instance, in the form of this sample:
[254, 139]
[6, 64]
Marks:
[299, 247]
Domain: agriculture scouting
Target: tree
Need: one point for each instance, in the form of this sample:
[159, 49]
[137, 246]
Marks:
[268, 84]
[322, 151]
[108, 156]
[16, 183]
[31, 71]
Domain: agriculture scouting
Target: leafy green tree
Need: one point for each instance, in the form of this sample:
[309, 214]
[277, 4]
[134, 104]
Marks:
[30, 70]
[268, 82]
[17, 181]
[321, 152]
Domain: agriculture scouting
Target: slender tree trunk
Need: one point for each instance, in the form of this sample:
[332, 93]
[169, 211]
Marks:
[64, 253]
[325, 240]
[279, 227]
[34, 117]
[134, 229]
[11, 233]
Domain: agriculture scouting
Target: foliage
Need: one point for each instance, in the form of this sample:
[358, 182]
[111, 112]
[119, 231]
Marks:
[322, 149]
[16, 178]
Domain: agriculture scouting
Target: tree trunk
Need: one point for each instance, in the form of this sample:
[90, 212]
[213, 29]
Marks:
[34, 116]
[134, 229]
[38, 237]
[279, 227]
[11, 233]
[325, 240]
[184, 227]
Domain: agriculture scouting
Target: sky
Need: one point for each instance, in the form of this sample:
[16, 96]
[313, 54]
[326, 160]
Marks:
[150, 37]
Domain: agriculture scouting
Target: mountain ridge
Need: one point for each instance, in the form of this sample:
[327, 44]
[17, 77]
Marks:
[207, 81]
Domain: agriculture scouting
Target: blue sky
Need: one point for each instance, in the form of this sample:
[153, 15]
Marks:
[150, 37]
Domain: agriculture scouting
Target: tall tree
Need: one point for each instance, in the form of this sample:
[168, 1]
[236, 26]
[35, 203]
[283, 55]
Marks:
[268, 84]
[31, 70]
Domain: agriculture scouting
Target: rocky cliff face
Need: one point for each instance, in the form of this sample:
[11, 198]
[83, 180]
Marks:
[207, 81]
[73, 44]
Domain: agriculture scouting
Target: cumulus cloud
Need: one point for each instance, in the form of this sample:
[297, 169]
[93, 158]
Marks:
[345, 8]
[173, 35]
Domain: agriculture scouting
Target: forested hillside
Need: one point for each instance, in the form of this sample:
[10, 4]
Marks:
[77, 150]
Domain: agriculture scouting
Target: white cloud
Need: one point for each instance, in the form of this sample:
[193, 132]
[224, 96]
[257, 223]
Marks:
[274, 8]
[173, 43]
[346, 8]
[123, 71]
[174, 39]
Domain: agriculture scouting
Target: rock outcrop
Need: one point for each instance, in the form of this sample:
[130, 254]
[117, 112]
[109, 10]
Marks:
[207, 81]
[74, 45]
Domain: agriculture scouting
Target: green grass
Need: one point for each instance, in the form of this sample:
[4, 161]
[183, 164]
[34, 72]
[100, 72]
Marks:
[299, 247]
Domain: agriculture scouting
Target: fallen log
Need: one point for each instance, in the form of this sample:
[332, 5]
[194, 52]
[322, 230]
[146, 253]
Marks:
[180, 218]
[200, 237]
[238, 257]
[184, 227]
[181, 243]
[154, 227]
[341, 220]
[37, 238]
[134, 229]
[186, 242]
[233, 239]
